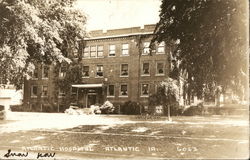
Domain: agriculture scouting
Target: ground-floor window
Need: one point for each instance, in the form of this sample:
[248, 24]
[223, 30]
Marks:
[44, 91]
[34, 91]
[144, 89]
[99, 71]
[111, 90]
[124, 90]
[61, 93]
[85, 71]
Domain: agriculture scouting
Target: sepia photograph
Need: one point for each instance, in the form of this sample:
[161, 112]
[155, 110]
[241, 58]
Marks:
[124, 79]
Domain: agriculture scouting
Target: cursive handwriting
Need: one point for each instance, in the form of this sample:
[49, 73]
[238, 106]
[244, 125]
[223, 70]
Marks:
[45, 155]
[9, 154]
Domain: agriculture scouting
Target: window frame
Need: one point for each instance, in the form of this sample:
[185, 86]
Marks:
[108, 93]
[100, 51]
[112, 50]
[125, 49]
[88, 48]
[45, 92]
[35, 70]
[120, 90]
[141, 90]
[83, 72]
[93, 52]
[31, 91]
[61, 93]
[97, 76]
[142, 70]
[121, 70]
[62, 74]
[160, 74]
[147, 48]
[160, 45]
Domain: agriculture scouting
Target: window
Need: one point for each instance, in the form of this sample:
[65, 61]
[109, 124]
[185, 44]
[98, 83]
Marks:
[146, 48]
[93, 51]
[160, 68]
[73, 91]
[85, 71]
[99, 51]
[124, 70]
[160, 49]
[45, 73]
[34, 91]
[99, 71]
[35, 74]
[124, 90]
[62, 71]
[61, 93]
[75, 54]
[125, 49]
[144, 89]
[45, 91]
[86, 52]
[145, 68]
[111, 90]
[111, 50]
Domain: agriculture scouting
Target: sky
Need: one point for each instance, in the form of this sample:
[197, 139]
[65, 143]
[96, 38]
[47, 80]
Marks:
[114, 14]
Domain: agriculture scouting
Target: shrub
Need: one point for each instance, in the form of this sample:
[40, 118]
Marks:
[107, 108]
[193, 110]
[17, 108]
[131, 108]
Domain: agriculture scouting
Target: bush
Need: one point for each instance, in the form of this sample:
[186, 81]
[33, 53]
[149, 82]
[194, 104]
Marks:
[175, 110]
[193, 110]
[107, 108]
[17, 108]
[131, 108]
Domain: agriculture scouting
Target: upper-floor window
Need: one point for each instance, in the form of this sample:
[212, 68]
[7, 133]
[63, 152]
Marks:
[99, 51]
[86, 52]
[99, 71]
[124, 70]
[62, 71]
[111, 50]
[35, 74]
[161, 48]
[45, 72]
[111, 90]
[145, 89]
[34, 91]
[146, 48]
[124, 90]
[85, 71]
[93, 51]
[145, 68]
[44, 91]
[125, 49]
[160, 68]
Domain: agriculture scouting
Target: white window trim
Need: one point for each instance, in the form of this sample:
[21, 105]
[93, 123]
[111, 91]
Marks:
[123, 96]
[85, 76]
[156, 69]
[160, 53]
[102, 72]
[125, 49]
[110, 50]
[95, 51]
[102, 51]
[142, 74]
[121, 70]
[47, 91]
[31, 91]
[148, 90]
[145, 54]
[110, 96]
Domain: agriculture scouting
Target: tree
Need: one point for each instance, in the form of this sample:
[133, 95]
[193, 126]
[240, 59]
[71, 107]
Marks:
[34, 31]
[210, 41]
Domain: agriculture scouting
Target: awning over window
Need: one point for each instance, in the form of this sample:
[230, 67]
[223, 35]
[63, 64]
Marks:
[87, 85]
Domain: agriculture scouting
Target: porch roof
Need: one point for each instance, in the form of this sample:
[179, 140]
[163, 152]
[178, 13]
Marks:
[87, 85]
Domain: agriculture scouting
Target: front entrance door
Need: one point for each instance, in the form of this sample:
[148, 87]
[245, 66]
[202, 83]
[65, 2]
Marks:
[91, 100]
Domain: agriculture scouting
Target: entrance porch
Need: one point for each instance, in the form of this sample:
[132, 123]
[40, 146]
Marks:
[88, 94]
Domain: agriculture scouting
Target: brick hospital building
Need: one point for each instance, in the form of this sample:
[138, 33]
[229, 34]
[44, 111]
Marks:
[116, 65]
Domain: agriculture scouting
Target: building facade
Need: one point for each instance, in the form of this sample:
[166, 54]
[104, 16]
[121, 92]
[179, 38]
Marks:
[116, 65]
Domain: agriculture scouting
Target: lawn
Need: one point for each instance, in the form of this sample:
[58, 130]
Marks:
[126, 136]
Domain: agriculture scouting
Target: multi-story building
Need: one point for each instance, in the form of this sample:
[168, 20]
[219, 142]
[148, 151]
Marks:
[117, 65]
